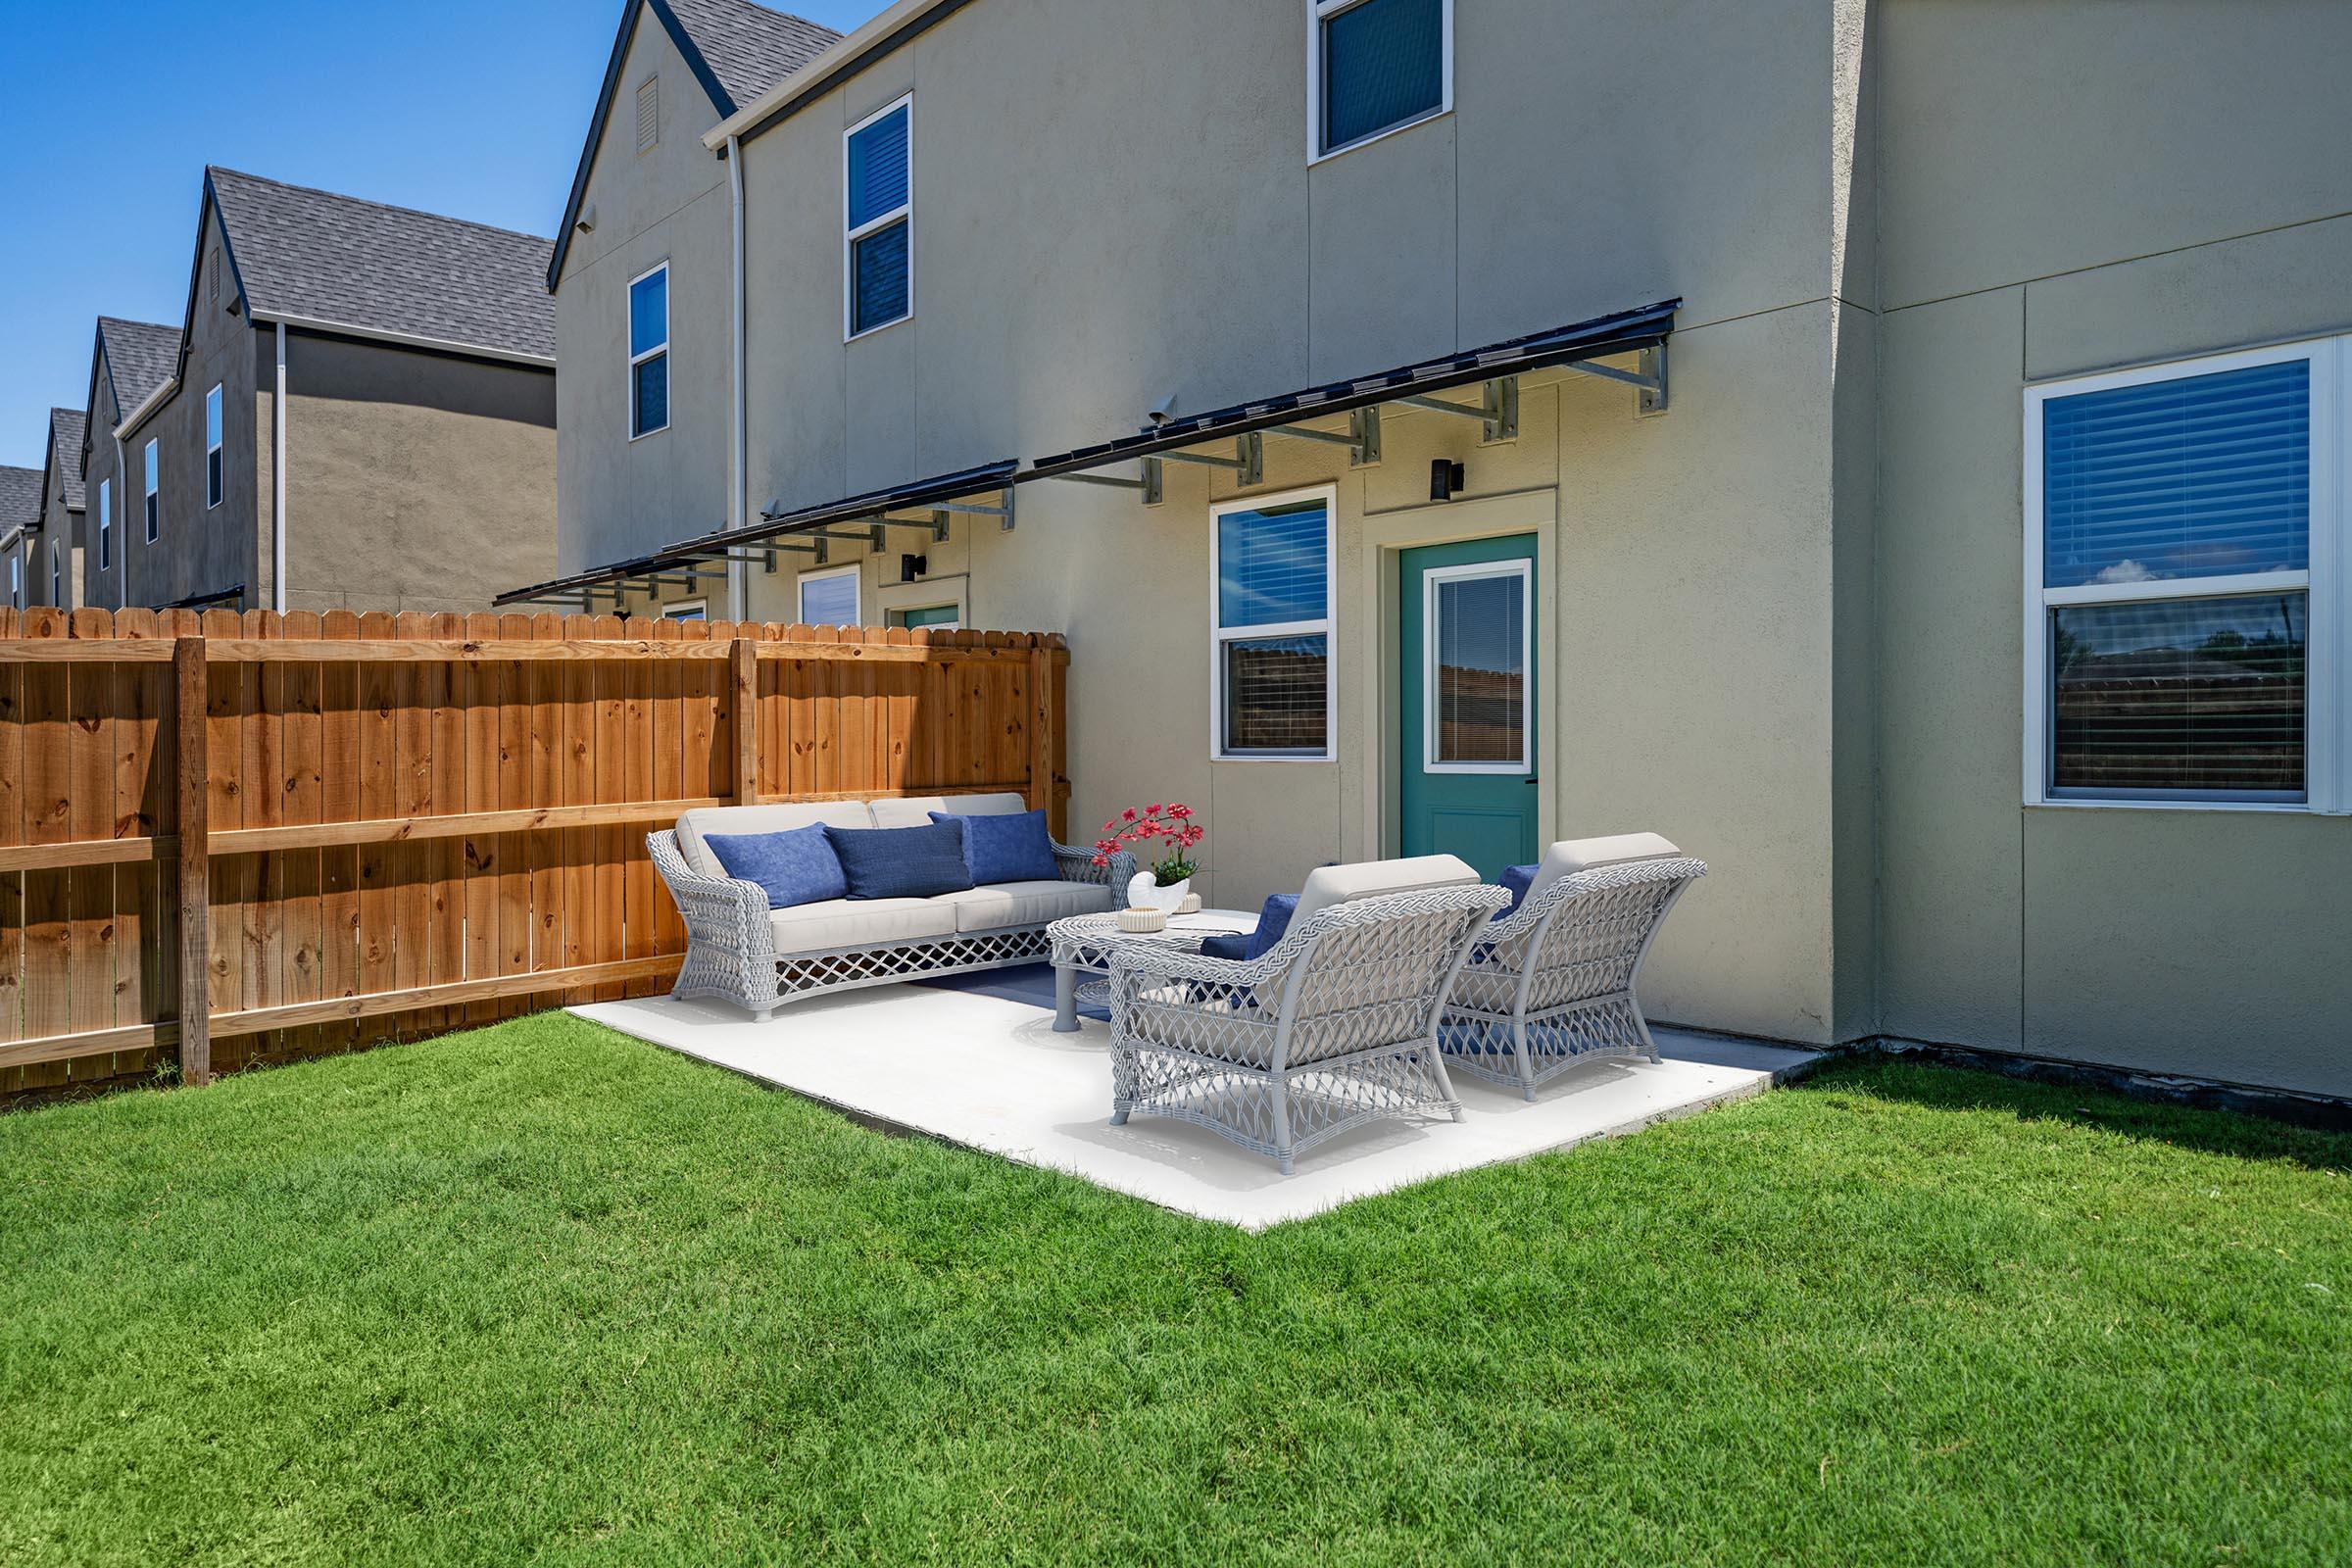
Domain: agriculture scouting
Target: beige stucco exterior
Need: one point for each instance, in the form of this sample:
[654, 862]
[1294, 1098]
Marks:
[1783, 617]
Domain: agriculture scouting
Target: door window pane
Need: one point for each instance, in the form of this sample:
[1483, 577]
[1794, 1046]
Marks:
[2179, 697]
[1275, 694]
[1478, 648]
[2200, 476]
[1383, 62]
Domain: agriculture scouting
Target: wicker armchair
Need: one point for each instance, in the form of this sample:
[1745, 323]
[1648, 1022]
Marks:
[1332, 1027]
[731, 950]
[1552, 985]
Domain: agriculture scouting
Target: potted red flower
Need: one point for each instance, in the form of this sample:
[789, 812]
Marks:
[1169, 881]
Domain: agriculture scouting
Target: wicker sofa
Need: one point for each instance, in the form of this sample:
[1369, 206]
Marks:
[740, 950]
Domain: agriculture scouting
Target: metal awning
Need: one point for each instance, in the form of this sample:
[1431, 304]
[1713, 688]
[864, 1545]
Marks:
[863, 518]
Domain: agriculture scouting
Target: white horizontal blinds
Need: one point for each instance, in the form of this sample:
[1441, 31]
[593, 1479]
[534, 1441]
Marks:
[1273, 630]
[2204, 476]
[829, 601]
[2177, 535]
[1480, 676]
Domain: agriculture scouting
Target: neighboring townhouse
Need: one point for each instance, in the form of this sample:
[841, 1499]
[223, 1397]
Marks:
[56, 570]
[20, 531]
[131, 366]
[359, 414]
[642, 272]
[1890, 448]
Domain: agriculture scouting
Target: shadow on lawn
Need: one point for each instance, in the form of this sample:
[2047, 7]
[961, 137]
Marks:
[2202, 1128]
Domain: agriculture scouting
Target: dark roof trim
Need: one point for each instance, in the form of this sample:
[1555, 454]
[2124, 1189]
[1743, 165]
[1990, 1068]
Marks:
[817, 87]
[854, 509]
[694, 62]
[1623, 333]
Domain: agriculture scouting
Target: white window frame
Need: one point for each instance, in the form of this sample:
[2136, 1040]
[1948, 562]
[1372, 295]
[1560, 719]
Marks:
[687, 609]
[628, 333]
[2327, 585]
[216, 483]
[16, 579]
[106, 524]
[151, 495]
[1319, 11]
[1431, 578]
[56, 577]
[1219, 634]
[855, 571]
[902, 213]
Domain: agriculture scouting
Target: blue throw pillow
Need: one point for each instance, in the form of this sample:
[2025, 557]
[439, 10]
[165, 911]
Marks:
[901, 862]
[1012, 846]
[795, 866]
[1516, 880]
[1272, 921]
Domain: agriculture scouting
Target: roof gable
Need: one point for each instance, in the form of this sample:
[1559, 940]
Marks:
[736, 51]
[337, 261]
[66, 427]
[20, 498]
[138, 357]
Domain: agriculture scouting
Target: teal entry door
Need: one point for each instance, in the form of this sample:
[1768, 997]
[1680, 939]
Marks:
[1466, 700]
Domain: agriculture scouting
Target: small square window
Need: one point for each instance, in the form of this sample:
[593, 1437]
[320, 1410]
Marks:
[829, 598]
[1376, 65]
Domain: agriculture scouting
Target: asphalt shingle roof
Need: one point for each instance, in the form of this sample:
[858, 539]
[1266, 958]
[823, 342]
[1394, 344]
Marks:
[358, 264]
[20, 498]
[748, 47]
[141, 356]
[66, 427]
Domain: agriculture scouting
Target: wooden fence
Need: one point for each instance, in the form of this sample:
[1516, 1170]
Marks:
[291, 834]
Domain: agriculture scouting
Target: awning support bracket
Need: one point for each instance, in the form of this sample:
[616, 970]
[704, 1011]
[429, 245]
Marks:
[1151, 488]
[1362, 439]
[1497, 412]
[1248, 465]
[1648, 380]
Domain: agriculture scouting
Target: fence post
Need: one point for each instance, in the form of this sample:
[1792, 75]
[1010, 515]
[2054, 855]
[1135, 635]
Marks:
[744, 658]
[190, 777]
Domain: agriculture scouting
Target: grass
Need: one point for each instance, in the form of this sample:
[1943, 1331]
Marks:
[540, 1293]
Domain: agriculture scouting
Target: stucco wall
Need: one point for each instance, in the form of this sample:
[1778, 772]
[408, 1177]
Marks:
[2068, 188]
[416, 481]
[619, 497]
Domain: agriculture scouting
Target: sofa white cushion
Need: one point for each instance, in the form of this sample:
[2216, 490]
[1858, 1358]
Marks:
[915, 809]
[997, 905]
[1571, 856]
[728, 820]
[859, 922]
[1327, 885]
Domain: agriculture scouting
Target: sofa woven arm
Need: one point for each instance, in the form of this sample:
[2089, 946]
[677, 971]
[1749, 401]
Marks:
[730, 946]
[1078, 865]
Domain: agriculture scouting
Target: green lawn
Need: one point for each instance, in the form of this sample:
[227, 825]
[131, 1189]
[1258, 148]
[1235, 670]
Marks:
[542, 1293]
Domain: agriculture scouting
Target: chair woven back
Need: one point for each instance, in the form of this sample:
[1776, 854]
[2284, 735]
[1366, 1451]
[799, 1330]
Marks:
[1588, 936]
[1375, 971]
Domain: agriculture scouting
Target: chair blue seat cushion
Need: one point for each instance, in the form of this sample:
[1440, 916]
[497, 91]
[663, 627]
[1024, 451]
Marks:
[1242, 946]
[1008, 846]
[1515, 880]
[901, 862]
[795, 866]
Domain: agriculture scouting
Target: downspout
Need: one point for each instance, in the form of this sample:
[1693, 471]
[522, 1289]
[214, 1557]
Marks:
[278, 480]
[738, 505]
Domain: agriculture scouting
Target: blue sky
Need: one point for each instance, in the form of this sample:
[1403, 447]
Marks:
[112, 111]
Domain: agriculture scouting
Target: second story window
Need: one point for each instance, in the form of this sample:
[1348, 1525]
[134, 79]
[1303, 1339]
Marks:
[649, 352]
[880, 217]
[154, 491]
[211, 446]
[56, 577]
[16, 581]
[106, 524]
[1375, 65]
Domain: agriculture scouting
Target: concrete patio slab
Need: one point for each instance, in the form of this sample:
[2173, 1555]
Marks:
[989, 1072]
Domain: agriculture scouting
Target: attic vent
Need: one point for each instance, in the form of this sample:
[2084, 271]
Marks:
[649, 113]
[215, 273]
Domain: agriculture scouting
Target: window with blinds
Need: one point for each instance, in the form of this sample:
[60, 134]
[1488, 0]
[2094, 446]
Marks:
[649, 352]
[2175, 519]
[1271, 624]
[829, 598]
[1376, 65]
[878, 209]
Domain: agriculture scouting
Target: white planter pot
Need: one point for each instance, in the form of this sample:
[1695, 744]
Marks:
[1144, 892]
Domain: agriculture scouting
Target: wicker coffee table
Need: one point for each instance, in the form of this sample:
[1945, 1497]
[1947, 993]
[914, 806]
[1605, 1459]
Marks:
[1083, 945]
